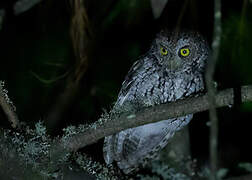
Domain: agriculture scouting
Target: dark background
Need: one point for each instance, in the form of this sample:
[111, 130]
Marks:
[36, 56]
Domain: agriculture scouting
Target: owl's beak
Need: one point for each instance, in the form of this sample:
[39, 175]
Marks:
[174, 64]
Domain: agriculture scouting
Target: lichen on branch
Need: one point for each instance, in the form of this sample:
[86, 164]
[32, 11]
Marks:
[107, 126]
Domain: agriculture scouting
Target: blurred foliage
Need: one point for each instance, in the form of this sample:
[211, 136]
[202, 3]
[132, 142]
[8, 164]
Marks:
[246, 107]
[128, 12]
[24, 5]
[246, 166]
[236, 49]
[234, 66]
[158, 7]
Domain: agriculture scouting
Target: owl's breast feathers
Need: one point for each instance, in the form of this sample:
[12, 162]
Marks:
[148, 83]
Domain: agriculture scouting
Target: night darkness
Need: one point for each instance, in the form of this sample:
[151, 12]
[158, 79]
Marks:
[37, 57]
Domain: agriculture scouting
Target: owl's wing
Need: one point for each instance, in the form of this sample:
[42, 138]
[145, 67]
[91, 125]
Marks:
[129, 81]
[135, 146]
[113, 146]
[113, 143]
[138, 145]
[108, 153]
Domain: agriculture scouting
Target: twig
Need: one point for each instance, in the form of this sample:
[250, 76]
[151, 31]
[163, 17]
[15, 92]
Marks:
[8, 107]
[211, 90]
[151, 115]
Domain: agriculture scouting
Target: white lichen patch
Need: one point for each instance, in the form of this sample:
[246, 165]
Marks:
[32, 147]
[98, 170]
[70, 131]
[4, 94]
[47, 157]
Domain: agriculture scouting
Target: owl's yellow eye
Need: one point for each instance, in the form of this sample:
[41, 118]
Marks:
[163, 51]
[184, 52]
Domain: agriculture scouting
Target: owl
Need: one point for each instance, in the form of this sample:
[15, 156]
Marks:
[171, 70]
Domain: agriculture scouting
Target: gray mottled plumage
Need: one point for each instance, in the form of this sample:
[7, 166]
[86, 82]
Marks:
[166, 73]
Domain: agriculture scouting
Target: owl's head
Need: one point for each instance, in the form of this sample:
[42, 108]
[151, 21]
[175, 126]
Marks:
[181, 52]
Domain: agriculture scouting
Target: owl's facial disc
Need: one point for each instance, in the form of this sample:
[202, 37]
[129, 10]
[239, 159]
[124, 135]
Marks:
[172, 61]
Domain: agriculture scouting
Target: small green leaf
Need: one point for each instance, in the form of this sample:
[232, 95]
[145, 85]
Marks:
[246, 166]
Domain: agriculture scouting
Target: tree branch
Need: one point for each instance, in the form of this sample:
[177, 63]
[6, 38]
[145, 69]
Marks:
[151, 115]
[211, 90]
[8, 107]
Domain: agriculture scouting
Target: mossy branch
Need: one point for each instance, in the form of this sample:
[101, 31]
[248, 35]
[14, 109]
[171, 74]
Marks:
[151, 115]
[8, 107]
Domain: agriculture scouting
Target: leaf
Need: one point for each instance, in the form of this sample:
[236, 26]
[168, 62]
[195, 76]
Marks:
[24, 5]
[158, 7]
[221, 173]
[246, 166]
